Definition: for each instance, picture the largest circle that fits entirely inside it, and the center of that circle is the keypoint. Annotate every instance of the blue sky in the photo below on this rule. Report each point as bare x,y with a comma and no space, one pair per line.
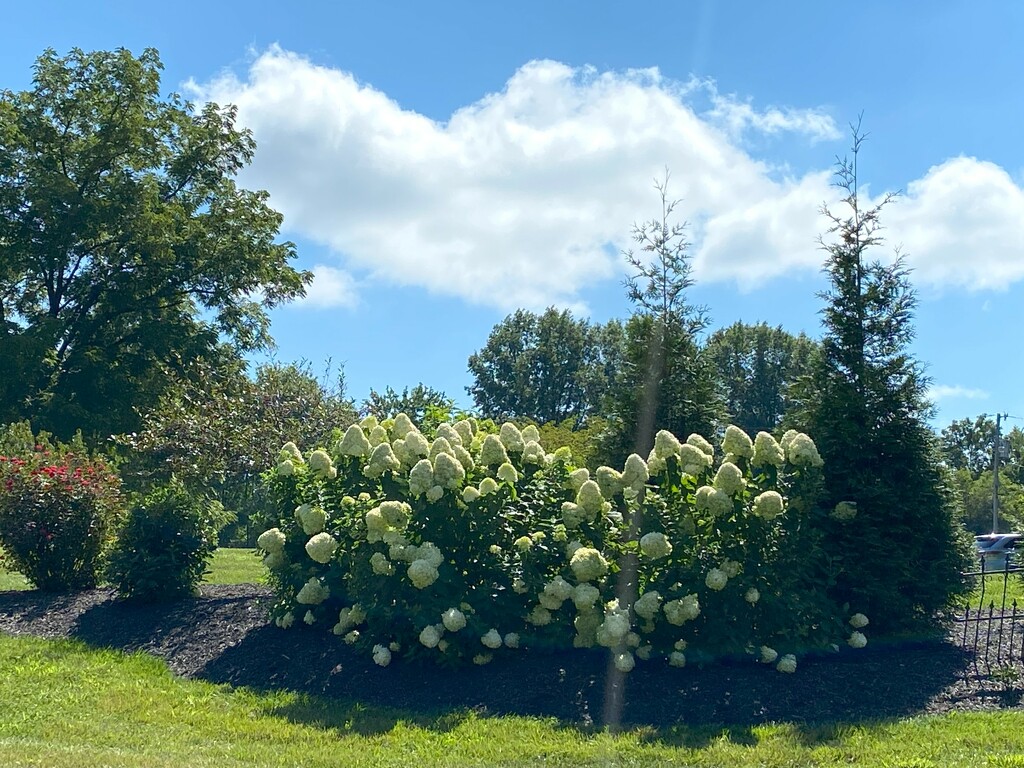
439,165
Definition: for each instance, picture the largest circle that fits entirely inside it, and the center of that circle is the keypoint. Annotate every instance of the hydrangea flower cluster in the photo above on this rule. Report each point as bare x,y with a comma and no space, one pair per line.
530,539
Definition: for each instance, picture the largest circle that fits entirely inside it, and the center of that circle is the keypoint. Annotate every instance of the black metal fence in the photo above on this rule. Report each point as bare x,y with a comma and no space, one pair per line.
991,627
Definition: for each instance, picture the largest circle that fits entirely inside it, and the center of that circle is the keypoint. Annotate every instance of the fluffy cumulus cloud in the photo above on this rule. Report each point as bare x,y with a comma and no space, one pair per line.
525,197
331,287
938,392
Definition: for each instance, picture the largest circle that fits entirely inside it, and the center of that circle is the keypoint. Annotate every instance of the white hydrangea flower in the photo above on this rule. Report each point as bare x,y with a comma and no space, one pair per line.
377,436
714,501
381,565
313,592
321,466
549,601
429,551
769,505
369,422
482,658
767,451
590,499
465,431
310,619
534,454
731,568
349,618
492,639
395,513
523,543
737,442
403,425
421,478
679,645
511,640
434,493
470,494
578,477
381,655
648,605
321,547
271,541
609,481
352,637
655,545
716,579
286,468
857,640
438,447
858,621
539,616
588,564
699,442
453,619
488,485
530,432
519,586
584,596
655,464
616,622
284,622
290,452
634,473
787,664
678,612
312,519
354,443
693,461
571,547
844,511
382,459
729,479
274,560
562,454
666,444
512,438
572,515
422,574
768,655
752,596
507,473
802,452
624,662
430,636
493,452
677,659
449,433
644,652
559,589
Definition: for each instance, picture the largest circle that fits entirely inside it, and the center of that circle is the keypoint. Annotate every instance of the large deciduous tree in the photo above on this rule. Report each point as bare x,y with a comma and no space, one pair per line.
128,248
756,367
899,560
546,368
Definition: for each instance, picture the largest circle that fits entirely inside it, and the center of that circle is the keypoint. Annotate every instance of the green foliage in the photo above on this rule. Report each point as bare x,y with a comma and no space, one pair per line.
59,509
582,441
545,368
164,547
426,405
217,431
756,367
902,555
129,250
663,380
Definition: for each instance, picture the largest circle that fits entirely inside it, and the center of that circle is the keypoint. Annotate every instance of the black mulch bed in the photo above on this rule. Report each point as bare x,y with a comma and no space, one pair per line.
224,637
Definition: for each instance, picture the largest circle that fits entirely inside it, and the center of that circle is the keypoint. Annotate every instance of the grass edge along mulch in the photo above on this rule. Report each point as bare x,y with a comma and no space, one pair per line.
64,703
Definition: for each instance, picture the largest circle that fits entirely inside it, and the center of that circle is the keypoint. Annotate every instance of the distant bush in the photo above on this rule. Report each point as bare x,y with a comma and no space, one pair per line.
163,549
59,509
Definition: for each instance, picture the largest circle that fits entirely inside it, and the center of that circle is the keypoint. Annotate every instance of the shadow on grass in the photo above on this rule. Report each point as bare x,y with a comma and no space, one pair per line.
224,638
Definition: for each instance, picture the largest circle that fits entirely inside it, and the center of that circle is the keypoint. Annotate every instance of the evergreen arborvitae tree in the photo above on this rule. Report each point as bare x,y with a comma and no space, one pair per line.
899,560
664,381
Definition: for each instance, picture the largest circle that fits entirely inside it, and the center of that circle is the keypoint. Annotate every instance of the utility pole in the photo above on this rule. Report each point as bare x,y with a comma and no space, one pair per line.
995,476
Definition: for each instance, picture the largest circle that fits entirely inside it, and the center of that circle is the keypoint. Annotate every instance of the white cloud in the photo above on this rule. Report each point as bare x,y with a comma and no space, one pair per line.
331,287
525,197
938,392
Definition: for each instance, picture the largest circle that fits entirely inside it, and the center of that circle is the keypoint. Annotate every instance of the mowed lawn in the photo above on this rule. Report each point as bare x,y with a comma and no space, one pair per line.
64,704
228,566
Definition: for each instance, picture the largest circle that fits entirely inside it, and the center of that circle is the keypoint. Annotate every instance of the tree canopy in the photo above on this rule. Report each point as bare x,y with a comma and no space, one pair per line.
128,248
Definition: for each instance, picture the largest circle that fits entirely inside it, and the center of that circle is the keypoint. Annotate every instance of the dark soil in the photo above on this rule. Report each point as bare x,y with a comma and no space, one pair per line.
224,637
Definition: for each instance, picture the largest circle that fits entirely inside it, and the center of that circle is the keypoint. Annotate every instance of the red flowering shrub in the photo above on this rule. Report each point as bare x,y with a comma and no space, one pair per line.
58,510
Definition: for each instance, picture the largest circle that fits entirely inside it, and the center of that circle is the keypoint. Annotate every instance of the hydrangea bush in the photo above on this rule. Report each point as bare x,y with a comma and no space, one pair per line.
474,542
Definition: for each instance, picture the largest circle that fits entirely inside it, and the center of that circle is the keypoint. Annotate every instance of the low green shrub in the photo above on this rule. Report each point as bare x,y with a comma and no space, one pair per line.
164,547
59,509
474,543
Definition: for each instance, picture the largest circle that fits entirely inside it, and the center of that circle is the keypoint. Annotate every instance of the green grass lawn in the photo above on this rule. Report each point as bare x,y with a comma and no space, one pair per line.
64,704
228,566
